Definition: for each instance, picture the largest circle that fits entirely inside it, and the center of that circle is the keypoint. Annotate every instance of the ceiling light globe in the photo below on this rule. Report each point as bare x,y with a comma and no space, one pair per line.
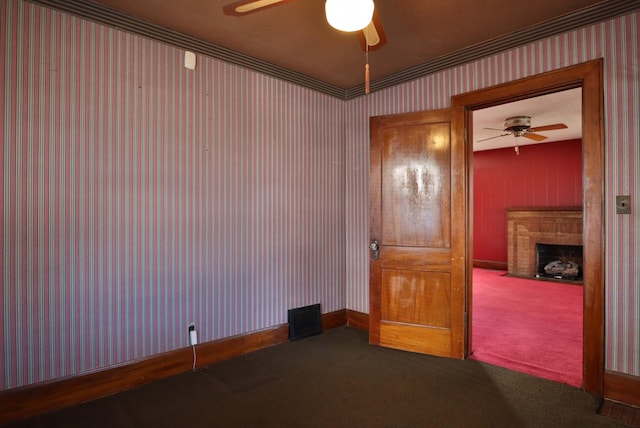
349,15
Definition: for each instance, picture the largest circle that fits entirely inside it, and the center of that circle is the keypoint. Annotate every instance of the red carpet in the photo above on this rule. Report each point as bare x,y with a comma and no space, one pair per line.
530,326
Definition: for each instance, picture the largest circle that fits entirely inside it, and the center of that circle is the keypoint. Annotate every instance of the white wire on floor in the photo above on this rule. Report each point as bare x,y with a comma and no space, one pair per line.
194,357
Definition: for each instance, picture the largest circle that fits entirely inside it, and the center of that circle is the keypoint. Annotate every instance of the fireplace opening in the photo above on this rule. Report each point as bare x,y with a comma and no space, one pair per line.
562,262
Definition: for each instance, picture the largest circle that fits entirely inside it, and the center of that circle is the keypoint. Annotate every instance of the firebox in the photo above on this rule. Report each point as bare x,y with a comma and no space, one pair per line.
559,261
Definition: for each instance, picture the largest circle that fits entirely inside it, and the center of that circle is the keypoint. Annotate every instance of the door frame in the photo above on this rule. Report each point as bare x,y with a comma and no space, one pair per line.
589,77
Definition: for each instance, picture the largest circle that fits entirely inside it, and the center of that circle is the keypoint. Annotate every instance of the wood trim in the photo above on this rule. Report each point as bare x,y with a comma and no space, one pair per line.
21,403
543,209
588,76
622,387
465,116
358,320
334,319
487,264
219,350
29,401
593,230
375,226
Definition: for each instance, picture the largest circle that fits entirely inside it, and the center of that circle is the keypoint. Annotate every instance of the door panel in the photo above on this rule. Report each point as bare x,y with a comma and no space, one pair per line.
417,216
415,297
417,193
415,339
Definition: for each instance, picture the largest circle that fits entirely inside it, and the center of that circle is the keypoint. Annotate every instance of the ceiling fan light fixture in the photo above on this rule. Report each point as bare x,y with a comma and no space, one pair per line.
349,15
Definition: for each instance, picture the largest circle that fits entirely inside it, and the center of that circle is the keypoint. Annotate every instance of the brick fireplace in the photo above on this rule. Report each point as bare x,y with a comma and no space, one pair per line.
552,228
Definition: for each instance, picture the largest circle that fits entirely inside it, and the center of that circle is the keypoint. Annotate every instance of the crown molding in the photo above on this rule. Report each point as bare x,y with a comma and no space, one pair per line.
116,19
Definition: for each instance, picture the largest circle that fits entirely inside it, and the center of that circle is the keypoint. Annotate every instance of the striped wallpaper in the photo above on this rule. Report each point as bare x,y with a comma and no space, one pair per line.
139,196
617,42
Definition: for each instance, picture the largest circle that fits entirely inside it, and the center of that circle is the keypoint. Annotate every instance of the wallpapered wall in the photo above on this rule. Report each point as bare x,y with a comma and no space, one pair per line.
542,175
138,196
617,42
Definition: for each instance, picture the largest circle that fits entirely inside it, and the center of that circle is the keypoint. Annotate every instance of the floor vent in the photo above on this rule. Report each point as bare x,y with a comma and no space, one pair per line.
304,322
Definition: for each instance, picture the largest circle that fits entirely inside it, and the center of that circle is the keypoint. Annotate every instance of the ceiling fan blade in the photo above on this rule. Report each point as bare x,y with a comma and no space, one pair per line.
536,137
491,138
373,34
495,129
549,127
245,7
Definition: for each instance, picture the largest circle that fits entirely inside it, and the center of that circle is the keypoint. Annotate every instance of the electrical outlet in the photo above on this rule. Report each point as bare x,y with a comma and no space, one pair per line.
193,335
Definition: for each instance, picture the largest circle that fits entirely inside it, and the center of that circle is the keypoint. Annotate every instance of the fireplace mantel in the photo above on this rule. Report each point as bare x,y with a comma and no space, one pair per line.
527,226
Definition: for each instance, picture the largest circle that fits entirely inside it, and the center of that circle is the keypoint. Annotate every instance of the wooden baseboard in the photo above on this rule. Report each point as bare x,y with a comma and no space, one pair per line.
40,398
32,400
21,403
622,388
334,319
486,264
358,320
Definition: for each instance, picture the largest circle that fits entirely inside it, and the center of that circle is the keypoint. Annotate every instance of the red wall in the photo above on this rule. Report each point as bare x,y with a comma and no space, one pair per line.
547,174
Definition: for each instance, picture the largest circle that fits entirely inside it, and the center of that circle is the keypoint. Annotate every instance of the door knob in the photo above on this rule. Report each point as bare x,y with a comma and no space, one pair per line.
375,249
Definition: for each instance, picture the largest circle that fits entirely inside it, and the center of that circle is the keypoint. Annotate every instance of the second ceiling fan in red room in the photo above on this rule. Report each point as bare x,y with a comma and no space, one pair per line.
520,126
370,32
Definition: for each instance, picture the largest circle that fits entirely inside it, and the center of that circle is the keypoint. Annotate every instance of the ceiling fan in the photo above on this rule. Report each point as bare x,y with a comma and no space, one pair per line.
520,126
372,37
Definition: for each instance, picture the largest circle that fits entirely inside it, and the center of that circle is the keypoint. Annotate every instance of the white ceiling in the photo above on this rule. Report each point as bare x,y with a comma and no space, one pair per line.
560,107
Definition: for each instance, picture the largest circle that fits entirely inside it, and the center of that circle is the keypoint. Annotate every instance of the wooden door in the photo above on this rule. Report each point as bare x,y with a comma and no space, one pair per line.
417,228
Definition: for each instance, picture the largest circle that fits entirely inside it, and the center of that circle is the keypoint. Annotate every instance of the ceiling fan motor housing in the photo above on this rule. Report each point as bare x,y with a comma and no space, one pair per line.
517,123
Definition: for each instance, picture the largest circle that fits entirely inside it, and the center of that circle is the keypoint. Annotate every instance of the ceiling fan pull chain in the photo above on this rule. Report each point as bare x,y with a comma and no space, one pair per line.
366,69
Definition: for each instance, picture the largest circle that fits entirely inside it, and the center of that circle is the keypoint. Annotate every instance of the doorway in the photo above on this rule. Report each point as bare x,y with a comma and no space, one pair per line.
523,181
587,76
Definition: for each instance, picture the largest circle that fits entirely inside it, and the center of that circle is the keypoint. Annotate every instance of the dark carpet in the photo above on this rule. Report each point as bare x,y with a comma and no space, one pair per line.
337,379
